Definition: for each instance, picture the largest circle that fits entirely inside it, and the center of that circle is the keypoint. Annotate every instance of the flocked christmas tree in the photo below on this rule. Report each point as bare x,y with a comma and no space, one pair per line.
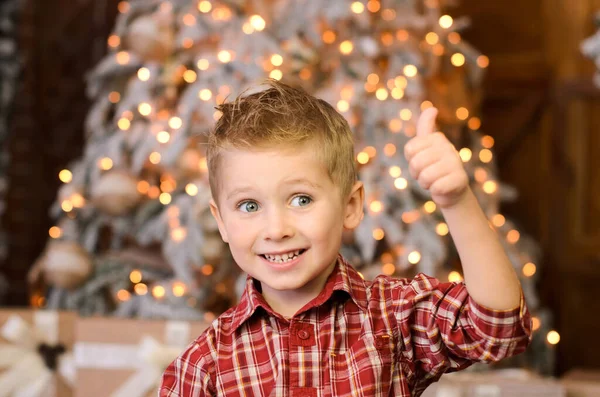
134,235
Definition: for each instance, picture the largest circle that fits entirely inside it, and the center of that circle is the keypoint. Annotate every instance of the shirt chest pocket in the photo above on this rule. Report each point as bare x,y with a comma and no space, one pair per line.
365,369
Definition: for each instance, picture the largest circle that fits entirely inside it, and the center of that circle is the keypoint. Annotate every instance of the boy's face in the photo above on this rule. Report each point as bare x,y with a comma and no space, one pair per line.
283,217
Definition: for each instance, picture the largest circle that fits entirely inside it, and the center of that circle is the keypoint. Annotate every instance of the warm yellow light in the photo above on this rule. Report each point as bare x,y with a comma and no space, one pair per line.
77,200
203,64
376,206
123,7
187,42
55,232
189,76
498,220
179,289
143,74
381,94
389,14
145,109
124,124
65,176
400,183
329,37
122,57
158,292
140,289
189,19
465,154
397,93
395,171
401,82
343,105
483,61
276,74
429,207
432,38
438,50
455,277
135,276
257,22
371,151
481,175
163,137
276,60
203,164
414,257
373,78
553,337
513,236
402,35
409,217
388,269
462,113
410,70
168,185
114,41
191,189
426,105
179,234
153,192
205,94
474,123
362,158
529,269
346,47
490,187
175,123
535,323
164,198
373,5
123,295
105,163
143,187
446,21
224,56
442,229
487,142
389,150
485,155
454,37
204,6
457,59
357,7
154,158
378,234
405,114
114,97
395,125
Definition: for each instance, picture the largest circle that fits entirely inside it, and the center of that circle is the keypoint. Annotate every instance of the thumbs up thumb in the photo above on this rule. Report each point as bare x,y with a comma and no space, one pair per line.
426,123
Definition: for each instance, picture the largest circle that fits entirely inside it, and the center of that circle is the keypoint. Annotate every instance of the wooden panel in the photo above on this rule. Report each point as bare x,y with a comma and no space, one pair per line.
60,40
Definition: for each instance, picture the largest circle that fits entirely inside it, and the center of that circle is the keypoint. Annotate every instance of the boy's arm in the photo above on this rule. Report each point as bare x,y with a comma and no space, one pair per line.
489,276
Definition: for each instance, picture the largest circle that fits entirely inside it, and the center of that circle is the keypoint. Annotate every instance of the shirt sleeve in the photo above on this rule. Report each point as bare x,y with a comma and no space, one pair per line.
443,329
190,374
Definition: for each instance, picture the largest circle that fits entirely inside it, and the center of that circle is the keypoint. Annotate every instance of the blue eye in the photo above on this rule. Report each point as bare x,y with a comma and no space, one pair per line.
248,206
301,201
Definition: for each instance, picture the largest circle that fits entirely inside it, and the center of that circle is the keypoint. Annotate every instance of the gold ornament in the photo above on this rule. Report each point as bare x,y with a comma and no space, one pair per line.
66,264
150,38
115,193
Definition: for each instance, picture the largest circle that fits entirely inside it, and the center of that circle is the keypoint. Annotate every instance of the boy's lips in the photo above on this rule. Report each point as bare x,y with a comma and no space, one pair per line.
283,257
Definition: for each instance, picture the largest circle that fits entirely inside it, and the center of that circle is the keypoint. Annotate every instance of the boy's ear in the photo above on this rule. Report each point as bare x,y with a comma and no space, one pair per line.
354,206
217,215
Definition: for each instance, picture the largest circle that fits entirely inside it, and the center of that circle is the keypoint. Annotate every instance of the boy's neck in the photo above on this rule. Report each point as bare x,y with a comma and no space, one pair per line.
288,302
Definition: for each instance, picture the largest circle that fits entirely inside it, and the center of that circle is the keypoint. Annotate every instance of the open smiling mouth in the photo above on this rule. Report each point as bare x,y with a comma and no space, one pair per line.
283,258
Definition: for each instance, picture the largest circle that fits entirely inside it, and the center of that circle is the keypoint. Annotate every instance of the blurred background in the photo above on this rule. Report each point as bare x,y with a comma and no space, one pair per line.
103,181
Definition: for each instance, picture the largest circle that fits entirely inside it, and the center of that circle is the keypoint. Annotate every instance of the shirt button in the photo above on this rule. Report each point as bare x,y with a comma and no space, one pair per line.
304,335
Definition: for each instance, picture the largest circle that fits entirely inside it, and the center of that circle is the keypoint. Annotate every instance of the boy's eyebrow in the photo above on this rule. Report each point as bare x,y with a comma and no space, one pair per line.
239,190
302,181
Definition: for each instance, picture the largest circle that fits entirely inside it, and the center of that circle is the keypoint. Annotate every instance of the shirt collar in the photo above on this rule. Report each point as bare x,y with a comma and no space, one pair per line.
343,278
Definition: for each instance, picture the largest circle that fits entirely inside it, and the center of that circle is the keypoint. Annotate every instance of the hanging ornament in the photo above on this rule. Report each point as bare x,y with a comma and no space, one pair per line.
65,264
115,193
150,38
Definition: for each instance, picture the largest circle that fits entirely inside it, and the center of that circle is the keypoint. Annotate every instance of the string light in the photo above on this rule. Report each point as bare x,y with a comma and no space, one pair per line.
143,187
179,289
474,123
446,21
400,183
405,114
454,38
203,64
346,47
114,41
465,154
388,269
164,198
123,7
487,142
204,6
114,97
485,155
432,38
179,234
381,94
376,206
143,74
145,109
189,19
409,217
429,207
498,220
329,37
276,74
357,7
191,189
455,277
163,137
553,337
65,176
389,150
123,295
105,163
203,164
257,22
154,158
141,289
122,57
135,276
395,125
224,56
189,76
362,158
342,105
462,113
513,236
529,269
207,270
395,171
441,229
158,292
373,5
414,257
535,323
55,232
402,35
388,14
378,234
410,70
483,61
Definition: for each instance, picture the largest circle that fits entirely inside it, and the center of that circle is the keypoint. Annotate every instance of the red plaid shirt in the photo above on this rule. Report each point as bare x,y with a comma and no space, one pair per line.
388,337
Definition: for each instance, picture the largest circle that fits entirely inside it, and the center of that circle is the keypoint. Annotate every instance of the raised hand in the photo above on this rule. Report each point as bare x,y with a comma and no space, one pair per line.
435,163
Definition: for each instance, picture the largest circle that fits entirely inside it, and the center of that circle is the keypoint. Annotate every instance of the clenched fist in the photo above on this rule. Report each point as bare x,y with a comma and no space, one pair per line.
435,163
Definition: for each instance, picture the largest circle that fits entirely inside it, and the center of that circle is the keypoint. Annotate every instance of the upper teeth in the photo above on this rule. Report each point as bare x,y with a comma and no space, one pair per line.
283,257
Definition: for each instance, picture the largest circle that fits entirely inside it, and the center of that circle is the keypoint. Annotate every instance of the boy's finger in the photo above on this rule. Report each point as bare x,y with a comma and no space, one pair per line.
426,123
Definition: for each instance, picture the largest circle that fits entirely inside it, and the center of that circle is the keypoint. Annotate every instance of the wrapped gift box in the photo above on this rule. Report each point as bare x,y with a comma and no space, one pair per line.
119,357
502,383
36,353
582,383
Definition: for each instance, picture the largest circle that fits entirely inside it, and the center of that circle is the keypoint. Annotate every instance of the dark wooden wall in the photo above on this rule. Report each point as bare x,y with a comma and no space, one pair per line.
59,41
544,114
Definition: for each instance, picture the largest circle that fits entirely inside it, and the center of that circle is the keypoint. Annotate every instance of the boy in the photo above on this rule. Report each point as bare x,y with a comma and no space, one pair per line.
283,180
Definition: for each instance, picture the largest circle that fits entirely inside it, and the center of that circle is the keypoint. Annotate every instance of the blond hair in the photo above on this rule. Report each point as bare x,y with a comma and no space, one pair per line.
287,117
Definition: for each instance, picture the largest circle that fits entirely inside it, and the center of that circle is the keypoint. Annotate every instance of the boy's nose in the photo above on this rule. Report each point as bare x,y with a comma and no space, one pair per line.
277,226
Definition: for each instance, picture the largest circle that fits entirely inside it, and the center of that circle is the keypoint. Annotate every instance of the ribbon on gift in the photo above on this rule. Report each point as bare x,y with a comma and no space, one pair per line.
149,358
33,357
